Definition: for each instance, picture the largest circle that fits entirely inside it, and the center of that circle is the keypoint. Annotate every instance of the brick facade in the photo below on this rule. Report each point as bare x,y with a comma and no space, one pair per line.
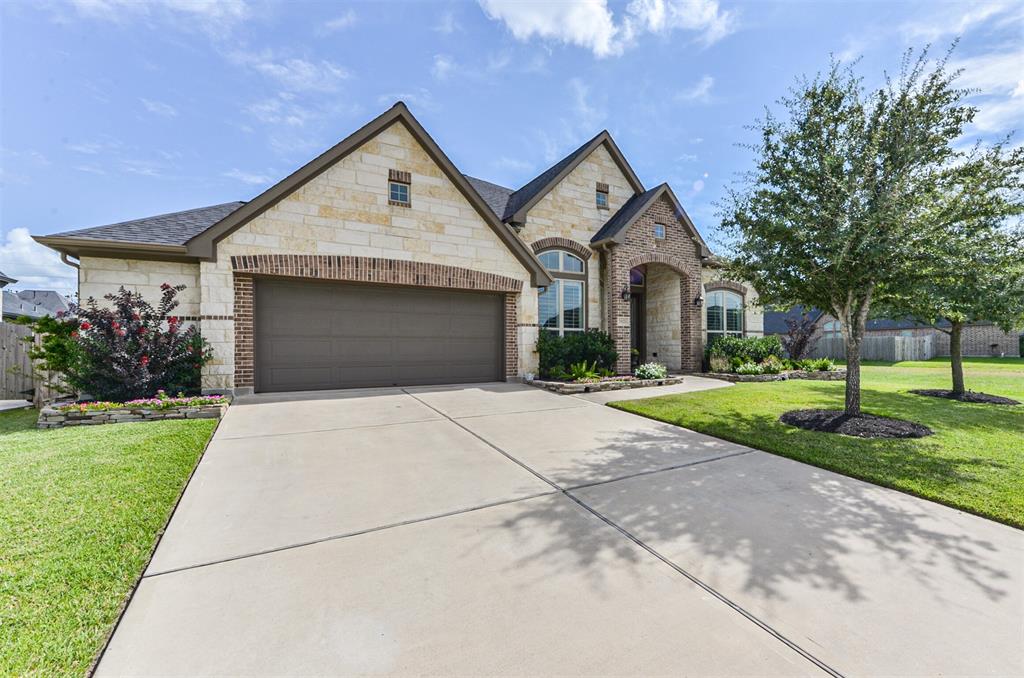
361,270
975,340
678,252
581,251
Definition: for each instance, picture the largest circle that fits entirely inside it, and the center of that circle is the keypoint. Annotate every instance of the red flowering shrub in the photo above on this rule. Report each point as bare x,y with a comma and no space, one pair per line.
124,351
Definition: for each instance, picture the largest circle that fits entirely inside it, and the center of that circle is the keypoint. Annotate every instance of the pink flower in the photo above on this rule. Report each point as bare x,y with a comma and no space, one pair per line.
74,335
142,330
85,325
135,316
173,320
165,286
144,360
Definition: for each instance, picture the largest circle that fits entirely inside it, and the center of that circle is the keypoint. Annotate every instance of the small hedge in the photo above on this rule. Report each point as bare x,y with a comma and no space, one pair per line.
557,353
750,349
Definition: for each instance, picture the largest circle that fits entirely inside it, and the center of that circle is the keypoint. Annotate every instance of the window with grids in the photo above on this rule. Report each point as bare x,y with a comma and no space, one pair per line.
601,196
724,314
398,193
561,304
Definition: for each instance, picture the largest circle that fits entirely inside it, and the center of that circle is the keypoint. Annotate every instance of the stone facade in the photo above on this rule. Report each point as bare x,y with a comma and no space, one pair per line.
98,276
345,212
50,417
662,318
753,312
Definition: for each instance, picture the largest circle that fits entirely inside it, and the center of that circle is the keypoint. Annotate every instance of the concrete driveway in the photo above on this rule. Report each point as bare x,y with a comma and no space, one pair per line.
500,529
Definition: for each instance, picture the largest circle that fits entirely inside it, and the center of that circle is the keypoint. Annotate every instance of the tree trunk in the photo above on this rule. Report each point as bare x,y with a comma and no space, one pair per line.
956,359
852,407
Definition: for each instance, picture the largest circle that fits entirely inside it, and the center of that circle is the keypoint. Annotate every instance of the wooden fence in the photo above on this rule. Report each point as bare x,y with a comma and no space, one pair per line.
16,380
889,348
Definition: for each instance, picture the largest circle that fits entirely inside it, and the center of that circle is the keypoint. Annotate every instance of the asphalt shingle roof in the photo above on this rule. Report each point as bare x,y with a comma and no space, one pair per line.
6,279
527,192
633,206
175,228
494,195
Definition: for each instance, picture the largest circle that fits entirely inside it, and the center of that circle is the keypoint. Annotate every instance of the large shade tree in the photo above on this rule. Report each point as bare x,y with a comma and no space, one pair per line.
842,201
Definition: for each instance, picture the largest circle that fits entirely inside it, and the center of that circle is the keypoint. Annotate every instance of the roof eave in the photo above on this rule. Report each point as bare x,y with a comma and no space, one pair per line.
79,247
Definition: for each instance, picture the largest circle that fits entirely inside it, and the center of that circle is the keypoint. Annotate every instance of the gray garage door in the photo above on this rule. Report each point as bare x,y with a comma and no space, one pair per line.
336,335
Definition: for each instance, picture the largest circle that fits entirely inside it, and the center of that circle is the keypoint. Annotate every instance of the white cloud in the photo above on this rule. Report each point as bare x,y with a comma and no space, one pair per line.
213,17
999,79
419,98
340,23
279,111
592,25
699,93
249,177
447,24
292,73
443,66
698,186
513,164
159,108
952,19
90,169
34,266
687,157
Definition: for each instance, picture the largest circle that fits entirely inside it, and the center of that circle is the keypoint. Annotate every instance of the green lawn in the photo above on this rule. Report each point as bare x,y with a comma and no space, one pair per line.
975,460
81,511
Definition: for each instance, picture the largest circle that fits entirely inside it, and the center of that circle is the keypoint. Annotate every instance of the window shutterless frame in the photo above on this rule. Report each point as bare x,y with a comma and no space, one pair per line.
724,314
562,305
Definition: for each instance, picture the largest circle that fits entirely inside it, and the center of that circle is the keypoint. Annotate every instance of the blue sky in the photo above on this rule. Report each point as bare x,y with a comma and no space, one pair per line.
117,109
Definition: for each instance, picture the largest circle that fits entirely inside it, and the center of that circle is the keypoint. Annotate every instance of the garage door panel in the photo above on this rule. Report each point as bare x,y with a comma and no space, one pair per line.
335,335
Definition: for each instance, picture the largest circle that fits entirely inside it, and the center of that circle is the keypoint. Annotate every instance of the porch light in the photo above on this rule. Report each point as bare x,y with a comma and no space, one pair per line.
625,293
698,301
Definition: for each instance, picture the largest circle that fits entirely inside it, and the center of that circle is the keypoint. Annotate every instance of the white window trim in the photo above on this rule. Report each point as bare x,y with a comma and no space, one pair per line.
562,276
725,331
664,231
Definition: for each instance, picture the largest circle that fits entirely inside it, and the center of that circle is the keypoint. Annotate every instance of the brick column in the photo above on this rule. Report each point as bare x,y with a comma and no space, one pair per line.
511,336
691,348
618,309
244,356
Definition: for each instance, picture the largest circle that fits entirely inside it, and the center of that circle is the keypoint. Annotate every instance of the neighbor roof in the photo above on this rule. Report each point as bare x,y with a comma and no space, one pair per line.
614,230
526,197
174,228
6,279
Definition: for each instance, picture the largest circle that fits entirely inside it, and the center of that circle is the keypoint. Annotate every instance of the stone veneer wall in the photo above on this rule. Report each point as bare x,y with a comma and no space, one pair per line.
678,252
345,212
753,312
663,327
570,211
98,276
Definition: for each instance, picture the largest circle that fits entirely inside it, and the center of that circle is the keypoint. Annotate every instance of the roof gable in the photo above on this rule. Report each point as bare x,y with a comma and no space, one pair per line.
521,201
203,245
614,230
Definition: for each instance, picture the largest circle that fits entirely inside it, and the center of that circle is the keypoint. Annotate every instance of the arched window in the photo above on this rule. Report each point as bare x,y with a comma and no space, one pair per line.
563,303
724,314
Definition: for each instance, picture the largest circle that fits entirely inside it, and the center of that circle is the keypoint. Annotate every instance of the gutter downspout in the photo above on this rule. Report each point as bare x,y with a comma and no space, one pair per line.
64,258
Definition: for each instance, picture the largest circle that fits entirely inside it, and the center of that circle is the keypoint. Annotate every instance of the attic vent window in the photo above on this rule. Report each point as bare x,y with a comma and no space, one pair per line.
601,196
659,231
398,188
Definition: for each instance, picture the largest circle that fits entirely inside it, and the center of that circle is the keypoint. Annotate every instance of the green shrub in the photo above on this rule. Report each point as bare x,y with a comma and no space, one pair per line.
557,353
823,365
581,371
651,371
717,363
736,361
808,364
752,349
749,368
772,365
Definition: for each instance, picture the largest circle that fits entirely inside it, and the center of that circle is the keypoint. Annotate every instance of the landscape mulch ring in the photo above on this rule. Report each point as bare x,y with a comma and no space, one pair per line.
968,397
862,426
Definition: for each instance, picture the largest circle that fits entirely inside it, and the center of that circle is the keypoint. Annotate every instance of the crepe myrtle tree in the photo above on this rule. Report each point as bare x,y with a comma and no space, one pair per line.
840,204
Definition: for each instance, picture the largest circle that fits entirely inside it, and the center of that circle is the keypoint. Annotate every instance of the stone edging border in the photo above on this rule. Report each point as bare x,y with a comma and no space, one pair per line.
833,375
569,388
50,417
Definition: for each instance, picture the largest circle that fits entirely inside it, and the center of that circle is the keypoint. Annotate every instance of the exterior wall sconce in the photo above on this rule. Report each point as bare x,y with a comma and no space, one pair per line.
625,293
698,301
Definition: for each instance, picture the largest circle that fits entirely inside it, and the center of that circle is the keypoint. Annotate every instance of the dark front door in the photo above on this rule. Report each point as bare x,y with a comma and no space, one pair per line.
637,328
311,335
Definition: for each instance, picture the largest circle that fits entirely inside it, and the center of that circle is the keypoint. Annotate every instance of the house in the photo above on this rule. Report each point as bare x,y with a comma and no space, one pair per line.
30,303
380,263
978,339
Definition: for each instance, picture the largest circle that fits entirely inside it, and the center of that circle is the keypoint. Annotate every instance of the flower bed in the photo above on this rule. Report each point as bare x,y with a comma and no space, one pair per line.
144,409
830,375
610,384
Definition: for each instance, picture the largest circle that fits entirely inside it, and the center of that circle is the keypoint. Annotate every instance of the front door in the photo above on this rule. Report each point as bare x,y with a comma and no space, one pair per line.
637,328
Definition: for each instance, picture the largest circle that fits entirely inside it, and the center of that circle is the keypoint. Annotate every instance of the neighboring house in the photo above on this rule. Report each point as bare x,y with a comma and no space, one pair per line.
31,303
977,339
379,263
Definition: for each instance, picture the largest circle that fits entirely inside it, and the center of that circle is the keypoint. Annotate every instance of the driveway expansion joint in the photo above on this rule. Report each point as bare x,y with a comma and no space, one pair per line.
655,471
636,540
327,430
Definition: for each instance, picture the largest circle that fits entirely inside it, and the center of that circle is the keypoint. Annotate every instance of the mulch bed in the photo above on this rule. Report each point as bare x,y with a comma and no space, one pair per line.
968,397
863,426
